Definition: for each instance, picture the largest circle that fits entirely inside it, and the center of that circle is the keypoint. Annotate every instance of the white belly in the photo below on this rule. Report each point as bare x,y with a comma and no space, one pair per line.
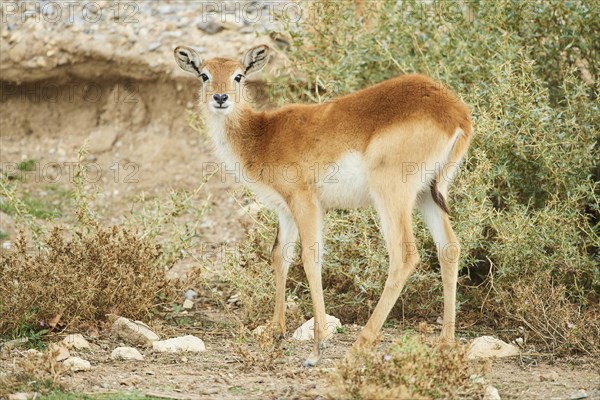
344,184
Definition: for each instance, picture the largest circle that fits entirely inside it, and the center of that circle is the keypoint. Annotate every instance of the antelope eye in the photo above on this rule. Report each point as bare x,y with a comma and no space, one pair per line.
238,77
204,77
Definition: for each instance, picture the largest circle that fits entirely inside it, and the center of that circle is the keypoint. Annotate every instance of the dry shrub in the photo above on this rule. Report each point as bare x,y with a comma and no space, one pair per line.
408,369
553,322
260,350
80,279
250,274
33,371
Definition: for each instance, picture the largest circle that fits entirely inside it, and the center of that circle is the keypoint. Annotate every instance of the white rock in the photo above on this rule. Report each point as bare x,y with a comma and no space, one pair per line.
21,396
580,394
102,139
76,342
33,353
135,333
62,353
126,353
291,306
489,346
77,364
188,304
491,393
183,343
259,330
11,344
306,331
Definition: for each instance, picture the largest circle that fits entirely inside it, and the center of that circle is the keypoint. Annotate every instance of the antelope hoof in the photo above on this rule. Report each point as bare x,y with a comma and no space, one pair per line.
311,361
278,334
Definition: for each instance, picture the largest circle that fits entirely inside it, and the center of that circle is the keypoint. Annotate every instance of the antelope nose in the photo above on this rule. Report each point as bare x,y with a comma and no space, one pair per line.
220,98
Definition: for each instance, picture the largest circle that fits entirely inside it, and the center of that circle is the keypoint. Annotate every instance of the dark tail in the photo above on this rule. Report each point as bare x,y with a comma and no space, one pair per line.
437,197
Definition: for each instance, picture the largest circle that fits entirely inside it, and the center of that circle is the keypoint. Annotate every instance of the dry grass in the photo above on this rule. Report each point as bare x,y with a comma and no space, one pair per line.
82,279
557,325
258,351
31,371
409,369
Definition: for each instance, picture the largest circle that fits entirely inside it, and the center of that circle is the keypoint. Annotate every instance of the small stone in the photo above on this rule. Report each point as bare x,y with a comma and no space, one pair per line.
551,376
135,333
165,9
20,396
259,330
580,394
62,352
23,396
154,46
188,304
77,364
489,346
33,352
19,52
291,306
491,393
126,353
183,343
76,341
102,139
11,344
210,27
306,331
190,294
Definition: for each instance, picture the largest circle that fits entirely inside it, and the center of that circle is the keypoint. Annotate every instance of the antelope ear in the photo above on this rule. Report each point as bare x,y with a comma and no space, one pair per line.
256,58
188,59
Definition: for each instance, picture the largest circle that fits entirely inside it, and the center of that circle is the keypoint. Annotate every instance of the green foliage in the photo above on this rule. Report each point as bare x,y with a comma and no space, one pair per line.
45,206
28,165
525,205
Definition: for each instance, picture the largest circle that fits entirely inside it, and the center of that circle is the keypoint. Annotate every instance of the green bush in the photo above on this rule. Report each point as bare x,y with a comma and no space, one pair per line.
525,205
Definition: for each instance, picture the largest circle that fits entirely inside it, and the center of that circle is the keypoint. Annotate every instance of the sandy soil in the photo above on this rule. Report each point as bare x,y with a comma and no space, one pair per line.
221,372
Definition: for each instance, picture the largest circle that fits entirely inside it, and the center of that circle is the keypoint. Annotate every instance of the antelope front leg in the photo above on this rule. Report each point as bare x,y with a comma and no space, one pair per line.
282,254
307,213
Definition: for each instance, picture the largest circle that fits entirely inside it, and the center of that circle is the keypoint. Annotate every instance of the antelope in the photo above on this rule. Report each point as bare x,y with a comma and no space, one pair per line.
395,145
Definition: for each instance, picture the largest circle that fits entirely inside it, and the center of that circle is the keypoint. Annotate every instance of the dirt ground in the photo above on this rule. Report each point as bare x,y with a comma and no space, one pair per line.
220,372
147,147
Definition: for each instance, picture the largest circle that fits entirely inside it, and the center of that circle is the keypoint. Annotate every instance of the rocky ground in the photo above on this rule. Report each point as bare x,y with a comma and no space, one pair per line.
113,365
105,74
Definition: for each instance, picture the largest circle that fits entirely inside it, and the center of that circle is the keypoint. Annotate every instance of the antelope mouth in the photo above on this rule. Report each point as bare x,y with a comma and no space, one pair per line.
219,107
